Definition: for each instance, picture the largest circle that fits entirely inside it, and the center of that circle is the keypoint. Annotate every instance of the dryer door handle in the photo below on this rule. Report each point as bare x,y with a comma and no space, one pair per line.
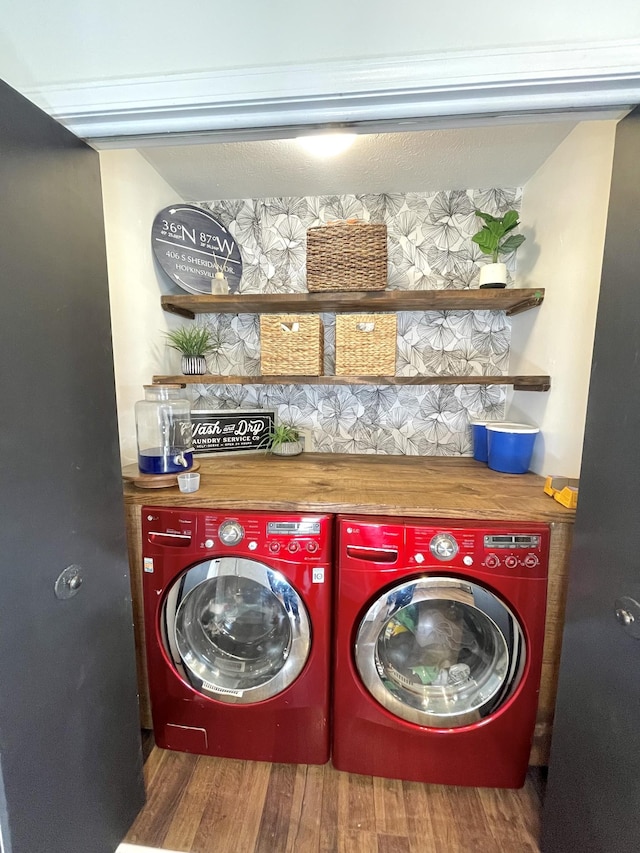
372,555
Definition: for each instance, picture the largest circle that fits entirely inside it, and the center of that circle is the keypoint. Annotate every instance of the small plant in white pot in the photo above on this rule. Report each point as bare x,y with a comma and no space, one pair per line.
285,441
193,342
495,239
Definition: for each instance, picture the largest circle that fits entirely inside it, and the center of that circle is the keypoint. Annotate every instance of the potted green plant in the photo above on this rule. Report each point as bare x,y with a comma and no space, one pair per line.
285,441
495,239
193,342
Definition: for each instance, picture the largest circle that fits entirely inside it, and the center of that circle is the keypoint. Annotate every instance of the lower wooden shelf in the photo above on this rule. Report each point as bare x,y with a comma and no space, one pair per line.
520,383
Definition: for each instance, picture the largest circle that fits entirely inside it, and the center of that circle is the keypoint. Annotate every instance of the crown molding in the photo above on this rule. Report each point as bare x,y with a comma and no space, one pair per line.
496,82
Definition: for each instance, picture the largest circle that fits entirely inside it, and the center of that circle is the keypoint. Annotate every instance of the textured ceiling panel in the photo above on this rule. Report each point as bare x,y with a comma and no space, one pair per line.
420,161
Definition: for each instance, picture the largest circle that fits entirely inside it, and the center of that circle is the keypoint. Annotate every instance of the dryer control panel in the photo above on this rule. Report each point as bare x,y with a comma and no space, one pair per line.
510,549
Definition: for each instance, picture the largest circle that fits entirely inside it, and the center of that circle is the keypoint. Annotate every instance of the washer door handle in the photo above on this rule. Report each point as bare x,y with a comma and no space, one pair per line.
169,540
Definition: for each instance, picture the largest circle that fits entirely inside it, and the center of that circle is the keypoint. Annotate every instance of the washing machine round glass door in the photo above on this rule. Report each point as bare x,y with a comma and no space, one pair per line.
236,630
440,652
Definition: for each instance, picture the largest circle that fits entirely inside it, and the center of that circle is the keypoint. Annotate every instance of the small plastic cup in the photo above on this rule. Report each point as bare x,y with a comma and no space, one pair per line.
189,481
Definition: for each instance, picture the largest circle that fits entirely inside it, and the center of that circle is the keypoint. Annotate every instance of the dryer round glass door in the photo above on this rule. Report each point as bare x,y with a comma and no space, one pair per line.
440,652
236,630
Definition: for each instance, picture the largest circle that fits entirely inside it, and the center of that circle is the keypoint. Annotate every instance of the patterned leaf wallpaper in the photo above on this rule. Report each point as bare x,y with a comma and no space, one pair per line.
429,244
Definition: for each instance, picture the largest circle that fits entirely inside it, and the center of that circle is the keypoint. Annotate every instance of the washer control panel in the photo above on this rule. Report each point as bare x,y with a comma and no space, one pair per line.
207,533
231,532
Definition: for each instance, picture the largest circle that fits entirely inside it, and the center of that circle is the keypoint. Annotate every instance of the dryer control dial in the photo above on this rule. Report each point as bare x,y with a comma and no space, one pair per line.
231,532
492,561
443,546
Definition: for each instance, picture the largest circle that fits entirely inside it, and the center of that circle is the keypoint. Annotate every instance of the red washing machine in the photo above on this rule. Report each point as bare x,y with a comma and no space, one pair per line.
237,612
440,628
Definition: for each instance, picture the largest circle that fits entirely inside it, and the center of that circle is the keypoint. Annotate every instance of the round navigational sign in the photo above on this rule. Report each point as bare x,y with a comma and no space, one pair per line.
191,246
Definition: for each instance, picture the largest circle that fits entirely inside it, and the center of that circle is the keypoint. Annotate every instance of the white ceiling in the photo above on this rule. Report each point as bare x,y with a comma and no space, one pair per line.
504,155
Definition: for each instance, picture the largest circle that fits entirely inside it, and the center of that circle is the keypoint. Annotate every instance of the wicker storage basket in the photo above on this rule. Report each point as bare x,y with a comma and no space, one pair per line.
349,255
365,344
291,344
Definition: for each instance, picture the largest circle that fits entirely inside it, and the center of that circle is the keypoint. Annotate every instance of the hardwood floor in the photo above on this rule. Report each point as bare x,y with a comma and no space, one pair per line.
199,804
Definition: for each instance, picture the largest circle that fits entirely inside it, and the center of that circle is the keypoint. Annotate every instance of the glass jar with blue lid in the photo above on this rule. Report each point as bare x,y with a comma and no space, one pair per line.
163,430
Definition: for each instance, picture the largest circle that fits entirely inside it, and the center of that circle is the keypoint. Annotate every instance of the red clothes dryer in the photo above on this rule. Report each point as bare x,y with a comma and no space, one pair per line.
440,628
237,625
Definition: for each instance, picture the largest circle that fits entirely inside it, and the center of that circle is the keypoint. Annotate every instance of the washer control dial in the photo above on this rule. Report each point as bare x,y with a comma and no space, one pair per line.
492,561
231,532
511,562
443,546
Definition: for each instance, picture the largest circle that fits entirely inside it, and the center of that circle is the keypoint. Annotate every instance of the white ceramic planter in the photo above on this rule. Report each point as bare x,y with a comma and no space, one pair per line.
194,365
493,275
287,448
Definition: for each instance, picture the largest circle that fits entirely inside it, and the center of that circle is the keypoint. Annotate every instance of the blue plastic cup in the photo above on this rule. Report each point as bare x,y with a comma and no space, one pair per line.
479,435
510,447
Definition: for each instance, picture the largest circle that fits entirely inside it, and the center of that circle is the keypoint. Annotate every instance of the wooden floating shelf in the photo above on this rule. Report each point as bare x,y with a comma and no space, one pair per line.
511,300
520,383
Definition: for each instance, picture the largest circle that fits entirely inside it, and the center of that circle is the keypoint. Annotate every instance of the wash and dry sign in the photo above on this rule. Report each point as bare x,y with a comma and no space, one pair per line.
231,431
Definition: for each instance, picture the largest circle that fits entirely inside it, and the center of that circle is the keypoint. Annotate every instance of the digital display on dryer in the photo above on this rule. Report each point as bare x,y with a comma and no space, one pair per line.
519,540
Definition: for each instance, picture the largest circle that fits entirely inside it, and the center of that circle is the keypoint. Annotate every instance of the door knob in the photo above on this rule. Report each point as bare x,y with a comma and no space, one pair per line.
68,582
627,611
624,617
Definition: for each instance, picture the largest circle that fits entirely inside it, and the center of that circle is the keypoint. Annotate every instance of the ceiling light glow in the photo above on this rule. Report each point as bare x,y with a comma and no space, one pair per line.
327,144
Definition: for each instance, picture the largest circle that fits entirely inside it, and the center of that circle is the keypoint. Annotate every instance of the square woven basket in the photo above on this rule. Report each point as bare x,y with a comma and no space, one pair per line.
291,344
366,344
344,256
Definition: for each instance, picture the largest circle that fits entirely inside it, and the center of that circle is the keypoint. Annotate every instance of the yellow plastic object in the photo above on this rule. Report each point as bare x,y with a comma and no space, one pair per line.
563,489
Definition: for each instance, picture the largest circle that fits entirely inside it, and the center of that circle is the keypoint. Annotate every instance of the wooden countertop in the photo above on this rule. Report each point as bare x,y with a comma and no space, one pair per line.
365,484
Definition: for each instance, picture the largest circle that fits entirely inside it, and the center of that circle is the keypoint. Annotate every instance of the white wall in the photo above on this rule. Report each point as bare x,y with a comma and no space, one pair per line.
564,212
133,194
105,41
